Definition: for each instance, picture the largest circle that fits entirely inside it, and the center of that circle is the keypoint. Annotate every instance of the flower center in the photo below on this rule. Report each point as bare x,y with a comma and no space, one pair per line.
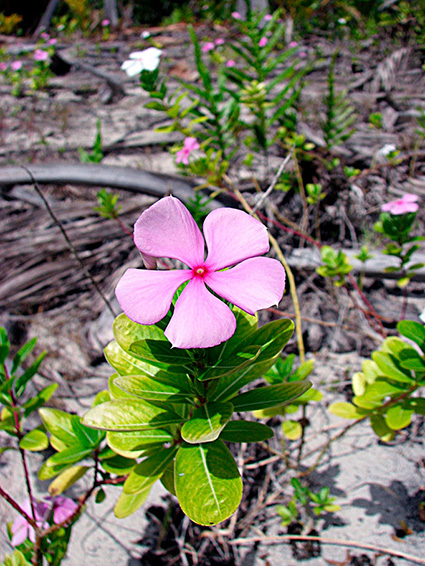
200,271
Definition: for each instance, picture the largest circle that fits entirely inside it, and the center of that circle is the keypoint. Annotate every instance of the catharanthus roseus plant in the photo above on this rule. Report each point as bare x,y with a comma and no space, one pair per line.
181,362
388,391
396,223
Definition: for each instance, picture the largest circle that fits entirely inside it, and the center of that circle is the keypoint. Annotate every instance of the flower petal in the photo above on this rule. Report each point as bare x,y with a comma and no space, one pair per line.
232,236
254,284
20,531
64,508
145,296
409,197
200,320
167,229
132,68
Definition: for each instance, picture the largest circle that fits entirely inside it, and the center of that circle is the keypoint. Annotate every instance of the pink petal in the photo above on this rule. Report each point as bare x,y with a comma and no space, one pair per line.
254,284
200,320
388,206
20,531
403,207
409,197
145,296
167,229
63,509
232,236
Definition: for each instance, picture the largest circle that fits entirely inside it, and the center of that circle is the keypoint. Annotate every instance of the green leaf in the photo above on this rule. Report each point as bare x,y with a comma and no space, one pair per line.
207,422
66,479
4,352
292,429
49,470
273,337
167,478
416,404
358,383
39,400
381,428
35,441
128,504
414,331
127,364
237,362
28,374
59,424
16,559
69,456
281,370
119,465
410,359
176,390
391,368
270,396
129,415
22,354
207,481
348,411
145,474
133,444
375,394
398,417
126,332
245,431
160,353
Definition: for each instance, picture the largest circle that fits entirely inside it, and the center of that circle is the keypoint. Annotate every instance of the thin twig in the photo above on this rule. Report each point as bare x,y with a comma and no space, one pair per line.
68,241
273,183
325,540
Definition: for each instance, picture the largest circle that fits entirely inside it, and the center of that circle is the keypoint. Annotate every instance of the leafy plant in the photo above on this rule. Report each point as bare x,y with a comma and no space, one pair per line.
108,207
386,390
173,407
96,155
397,228
340,115
336,265
304,502
282,372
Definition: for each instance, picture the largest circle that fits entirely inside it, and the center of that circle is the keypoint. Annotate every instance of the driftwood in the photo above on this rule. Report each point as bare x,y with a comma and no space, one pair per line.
92,175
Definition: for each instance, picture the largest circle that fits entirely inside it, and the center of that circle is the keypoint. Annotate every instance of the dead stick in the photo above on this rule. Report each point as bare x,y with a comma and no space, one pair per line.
325,540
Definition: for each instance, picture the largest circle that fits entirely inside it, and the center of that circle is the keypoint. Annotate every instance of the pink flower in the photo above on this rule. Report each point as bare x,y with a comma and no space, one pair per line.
200,319
105,23
189,145
402,205
219,41
63,509
236,16
268,17
21,529
230,63
207,47
293,44
40,55
262,42
52,41
16,65
3,66
302,54
44,36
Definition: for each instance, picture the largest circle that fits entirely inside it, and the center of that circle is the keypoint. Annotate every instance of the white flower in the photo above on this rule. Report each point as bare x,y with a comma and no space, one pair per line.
422,316
387,149
145,35
147,60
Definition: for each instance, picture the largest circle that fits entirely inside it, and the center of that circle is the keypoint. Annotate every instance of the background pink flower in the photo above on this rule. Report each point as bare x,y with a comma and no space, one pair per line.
230,63
3,66
293,44
236,16
21,529
200,319
63,509
105,23
189,145
219,41
268,17
40,55
262,42
207,47
407,203
16,65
